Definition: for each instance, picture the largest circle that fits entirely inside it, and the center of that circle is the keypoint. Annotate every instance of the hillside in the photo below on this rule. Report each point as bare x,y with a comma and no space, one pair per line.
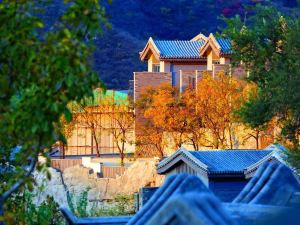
134,21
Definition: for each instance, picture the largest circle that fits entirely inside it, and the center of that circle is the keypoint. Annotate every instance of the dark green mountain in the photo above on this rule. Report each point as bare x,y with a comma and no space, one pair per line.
134,21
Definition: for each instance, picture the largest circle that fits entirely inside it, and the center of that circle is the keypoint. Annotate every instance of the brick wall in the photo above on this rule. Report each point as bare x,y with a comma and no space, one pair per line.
144,79
112,171
217,68
62,164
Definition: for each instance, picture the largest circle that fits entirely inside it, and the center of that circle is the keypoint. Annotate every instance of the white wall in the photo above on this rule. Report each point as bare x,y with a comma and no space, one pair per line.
165,66
184,168
88,163
209,60
224,60
150,64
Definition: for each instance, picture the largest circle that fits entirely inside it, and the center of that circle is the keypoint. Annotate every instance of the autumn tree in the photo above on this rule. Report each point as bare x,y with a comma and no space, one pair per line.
149,135
67,128
88,116
105,114
168,111
216,99
195,127
150,140
122,117
200,118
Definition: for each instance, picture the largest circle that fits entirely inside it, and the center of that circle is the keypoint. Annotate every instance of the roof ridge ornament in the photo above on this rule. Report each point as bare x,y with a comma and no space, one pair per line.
149,46
199,37
213,38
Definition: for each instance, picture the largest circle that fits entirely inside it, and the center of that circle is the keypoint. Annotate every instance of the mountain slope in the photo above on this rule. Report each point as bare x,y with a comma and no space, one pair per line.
134,21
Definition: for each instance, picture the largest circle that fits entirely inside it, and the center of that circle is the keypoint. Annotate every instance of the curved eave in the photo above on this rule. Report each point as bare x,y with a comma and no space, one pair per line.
199,37
249,170
232,174
150,46
225,54
187,59
181,155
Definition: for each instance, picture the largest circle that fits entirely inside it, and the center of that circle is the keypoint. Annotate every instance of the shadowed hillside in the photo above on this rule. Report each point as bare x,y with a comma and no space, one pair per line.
134,21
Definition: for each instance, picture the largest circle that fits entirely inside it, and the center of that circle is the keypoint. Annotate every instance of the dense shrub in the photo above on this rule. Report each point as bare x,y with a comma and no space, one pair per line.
21,209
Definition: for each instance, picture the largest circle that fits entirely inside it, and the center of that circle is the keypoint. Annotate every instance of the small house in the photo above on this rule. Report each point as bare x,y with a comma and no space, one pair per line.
225,172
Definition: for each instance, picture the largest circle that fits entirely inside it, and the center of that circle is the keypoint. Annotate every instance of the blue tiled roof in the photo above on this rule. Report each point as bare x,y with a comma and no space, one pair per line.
179,49
225,45
229,161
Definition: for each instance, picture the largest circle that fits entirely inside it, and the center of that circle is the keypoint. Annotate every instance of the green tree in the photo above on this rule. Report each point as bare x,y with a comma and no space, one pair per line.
40,72
268,45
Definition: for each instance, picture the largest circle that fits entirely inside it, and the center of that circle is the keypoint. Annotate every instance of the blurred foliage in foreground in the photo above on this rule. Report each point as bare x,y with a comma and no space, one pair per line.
22,210
40,72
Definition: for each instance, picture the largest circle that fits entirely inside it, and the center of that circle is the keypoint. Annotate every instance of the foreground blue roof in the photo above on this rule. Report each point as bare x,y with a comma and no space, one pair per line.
230,161
179,49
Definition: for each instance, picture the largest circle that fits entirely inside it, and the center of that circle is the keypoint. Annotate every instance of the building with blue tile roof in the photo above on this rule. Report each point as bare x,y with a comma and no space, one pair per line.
179,49
225,172
183,62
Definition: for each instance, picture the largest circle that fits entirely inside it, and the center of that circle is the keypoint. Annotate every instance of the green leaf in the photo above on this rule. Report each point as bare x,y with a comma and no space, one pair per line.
67,33
68,115
39,24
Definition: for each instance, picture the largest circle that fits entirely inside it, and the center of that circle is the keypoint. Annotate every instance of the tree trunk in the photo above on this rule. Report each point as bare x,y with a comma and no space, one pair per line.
92,145
195,142
96,142
122,153
97,146
195,145
257,139
230,139
161,153
63,151
122,158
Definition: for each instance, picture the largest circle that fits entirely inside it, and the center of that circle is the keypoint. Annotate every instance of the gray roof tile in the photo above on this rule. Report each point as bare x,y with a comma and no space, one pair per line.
229,161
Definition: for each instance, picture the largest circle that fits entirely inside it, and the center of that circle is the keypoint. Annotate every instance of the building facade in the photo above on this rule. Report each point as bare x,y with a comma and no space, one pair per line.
183,62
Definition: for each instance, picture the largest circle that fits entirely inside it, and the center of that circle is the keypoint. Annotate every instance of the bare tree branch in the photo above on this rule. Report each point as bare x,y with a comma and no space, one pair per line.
20,182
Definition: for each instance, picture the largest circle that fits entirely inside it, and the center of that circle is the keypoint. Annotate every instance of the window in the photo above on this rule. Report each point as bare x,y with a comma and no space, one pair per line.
156,68
216,61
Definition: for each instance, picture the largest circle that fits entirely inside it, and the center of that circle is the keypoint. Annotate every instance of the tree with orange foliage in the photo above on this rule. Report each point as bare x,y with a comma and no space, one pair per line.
67,129
195,128
150,140
89,116
202,118
149,134
216,100
168,111
123,123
